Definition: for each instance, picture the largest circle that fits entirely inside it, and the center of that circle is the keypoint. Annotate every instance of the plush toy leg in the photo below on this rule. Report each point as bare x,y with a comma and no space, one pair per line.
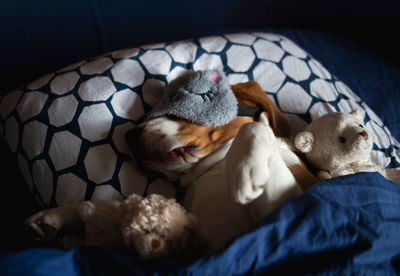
99,216
255,169
47,224
102,220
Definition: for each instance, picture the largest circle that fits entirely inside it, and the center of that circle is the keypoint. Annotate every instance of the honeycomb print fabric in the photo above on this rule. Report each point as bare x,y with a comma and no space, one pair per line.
67,128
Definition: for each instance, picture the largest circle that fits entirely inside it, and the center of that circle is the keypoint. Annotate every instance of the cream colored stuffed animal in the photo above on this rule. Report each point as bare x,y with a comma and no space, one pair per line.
152,227
338,144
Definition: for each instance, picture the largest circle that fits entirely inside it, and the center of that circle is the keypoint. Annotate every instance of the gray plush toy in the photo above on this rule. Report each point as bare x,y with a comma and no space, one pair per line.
201,97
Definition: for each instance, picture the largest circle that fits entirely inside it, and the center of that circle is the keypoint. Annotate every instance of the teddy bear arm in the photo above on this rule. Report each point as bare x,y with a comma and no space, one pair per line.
101,219
47,224
99,213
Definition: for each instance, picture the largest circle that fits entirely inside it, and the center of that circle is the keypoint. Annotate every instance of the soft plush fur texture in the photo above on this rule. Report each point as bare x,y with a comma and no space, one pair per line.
201,97
338,144
152,227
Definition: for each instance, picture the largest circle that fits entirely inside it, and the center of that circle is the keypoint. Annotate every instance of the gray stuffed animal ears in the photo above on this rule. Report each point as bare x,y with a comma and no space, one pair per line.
200,97
304,141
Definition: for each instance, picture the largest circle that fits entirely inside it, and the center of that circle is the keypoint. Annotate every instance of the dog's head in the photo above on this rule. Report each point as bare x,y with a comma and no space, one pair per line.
173,146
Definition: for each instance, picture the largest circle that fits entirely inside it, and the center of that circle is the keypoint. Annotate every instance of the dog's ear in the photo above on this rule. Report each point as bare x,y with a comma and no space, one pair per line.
251,93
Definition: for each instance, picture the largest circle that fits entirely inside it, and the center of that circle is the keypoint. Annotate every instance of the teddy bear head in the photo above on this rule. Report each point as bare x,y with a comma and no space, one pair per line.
335,139
156,227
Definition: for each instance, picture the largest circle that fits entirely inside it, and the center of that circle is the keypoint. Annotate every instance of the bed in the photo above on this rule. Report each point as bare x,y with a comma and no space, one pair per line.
346,225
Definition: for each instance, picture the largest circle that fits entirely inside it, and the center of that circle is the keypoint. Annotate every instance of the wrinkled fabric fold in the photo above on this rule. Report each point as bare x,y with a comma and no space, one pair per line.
348,225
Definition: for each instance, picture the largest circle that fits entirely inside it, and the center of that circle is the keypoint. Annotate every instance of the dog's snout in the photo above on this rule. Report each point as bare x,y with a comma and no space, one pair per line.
136,142
132,137
133,132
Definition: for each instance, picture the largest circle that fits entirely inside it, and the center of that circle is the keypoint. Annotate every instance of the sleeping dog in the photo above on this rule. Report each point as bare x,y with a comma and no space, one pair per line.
235,173
236,168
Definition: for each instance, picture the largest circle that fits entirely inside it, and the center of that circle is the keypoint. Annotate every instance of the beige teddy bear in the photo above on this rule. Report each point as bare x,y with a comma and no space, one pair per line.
338,144
152,227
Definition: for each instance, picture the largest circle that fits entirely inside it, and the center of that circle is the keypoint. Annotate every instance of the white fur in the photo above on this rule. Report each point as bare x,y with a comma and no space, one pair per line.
205,164
253,172
257,169
339,144
163,125
336,142
220,217
154,130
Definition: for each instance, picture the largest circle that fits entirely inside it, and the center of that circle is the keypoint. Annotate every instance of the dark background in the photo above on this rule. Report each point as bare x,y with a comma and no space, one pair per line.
37,37
40,36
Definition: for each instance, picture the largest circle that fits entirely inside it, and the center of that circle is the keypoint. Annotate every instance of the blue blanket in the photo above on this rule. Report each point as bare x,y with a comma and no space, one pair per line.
348,225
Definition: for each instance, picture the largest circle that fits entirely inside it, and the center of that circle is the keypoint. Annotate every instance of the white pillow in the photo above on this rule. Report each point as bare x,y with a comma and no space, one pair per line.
67,128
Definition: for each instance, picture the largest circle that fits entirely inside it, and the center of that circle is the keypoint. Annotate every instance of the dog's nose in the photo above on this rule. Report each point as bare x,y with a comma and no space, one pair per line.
132,137
135,139
364,135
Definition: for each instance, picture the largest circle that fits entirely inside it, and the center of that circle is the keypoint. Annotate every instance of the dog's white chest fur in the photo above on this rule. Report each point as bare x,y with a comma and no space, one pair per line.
243,186
209,199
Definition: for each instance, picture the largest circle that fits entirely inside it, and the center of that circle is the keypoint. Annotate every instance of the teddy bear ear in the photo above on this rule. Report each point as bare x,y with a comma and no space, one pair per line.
304,141
357,113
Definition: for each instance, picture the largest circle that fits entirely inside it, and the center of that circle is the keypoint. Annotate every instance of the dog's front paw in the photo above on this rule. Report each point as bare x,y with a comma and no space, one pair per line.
44,225
246,183
247,169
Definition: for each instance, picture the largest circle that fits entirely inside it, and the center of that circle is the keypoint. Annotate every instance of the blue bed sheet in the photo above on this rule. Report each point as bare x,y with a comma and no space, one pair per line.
344,226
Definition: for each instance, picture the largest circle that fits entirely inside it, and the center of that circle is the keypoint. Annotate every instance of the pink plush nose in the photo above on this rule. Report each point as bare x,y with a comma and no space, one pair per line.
364,135
155,243
214,77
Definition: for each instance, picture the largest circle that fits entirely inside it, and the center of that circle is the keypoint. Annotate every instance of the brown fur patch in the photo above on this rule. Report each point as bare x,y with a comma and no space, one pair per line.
207,138
251,93
303,176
